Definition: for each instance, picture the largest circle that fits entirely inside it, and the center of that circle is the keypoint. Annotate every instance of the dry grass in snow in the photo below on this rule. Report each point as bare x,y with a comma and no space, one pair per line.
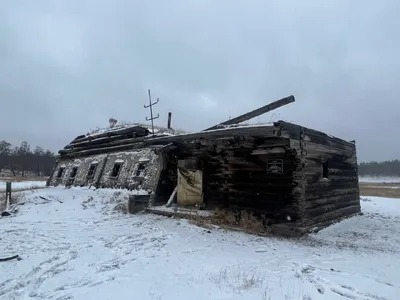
239,279
388,190
243,220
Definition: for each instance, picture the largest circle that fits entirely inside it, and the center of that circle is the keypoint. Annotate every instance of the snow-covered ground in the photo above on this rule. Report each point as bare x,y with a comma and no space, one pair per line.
75,245
378,179
26,185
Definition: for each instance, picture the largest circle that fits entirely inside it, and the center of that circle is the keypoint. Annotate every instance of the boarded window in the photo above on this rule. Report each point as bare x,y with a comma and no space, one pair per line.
116,170
189,164
60,172
325,170
73,172
92,170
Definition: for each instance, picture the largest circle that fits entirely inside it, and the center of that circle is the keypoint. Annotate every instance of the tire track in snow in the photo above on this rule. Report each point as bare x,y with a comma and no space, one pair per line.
123,249
30,283
323,285
83,233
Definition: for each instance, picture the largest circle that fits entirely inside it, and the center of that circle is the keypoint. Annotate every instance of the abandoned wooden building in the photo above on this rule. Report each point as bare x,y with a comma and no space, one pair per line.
290,175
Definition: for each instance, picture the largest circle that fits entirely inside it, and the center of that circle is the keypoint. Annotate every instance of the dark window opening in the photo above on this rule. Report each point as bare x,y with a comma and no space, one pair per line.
92,170
73,172
116,169
325,170
140,169
60,172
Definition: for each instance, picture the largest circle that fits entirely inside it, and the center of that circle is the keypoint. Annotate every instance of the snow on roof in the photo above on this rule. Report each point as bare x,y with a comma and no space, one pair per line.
158,130
244,125
99,130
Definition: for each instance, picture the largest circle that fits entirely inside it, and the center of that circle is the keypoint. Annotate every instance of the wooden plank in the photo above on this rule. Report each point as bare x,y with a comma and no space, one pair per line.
255,113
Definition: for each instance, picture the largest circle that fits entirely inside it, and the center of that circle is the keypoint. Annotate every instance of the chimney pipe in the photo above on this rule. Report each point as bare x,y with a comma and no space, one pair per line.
169,120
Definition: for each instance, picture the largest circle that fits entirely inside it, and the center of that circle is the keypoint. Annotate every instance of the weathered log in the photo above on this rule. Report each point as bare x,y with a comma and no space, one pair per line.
108,144
292,131
334,200
323,187
262,131
104,150
137,129
103,140
111,137
332,215
255,113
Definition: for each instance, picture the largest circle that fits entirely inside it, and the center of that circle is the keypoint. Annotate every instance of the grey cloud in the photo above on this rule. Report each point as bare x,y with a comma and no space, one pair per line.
67,66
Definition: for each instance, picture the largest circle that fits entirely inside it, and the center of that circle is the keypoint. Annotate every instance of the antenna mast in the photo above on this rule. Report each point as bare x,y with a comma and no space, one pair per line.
151,112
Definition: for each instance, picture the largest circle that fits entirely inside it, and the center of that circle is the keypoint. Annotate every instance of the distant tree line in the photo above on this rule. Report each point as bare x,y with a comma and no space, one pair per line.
385,168
21,160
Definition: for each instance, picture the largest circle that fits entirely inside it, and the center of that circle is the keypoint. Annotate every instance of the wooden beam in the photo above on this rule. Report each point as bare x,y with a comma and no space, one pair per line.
172,198
256,130
112,132
255,113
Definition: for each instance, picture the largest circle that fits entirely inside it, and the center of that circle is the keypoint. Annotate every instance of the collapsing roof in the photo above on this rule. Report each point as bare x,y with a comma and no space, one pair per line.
133,136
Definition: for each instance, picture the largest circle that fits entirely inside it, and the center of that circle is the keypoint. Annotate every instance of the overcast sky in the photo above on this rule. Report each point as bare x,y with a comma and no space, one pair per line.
67,66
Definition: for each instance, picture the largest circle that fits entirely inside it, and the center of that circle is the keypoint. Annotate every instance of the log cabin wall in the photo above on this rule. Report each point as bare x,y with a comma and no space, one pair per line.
250,173
331,190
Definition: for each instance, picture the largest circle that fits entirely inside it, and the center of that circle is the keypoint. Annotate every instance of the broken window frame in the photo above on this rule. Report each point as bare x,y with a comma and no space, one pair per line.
119,165
92,170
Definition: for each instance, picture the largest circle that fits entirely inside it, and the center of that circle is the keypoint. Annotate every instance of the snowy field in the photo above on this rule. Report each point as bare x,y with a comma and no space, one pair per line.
23,185
74,245
378,179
